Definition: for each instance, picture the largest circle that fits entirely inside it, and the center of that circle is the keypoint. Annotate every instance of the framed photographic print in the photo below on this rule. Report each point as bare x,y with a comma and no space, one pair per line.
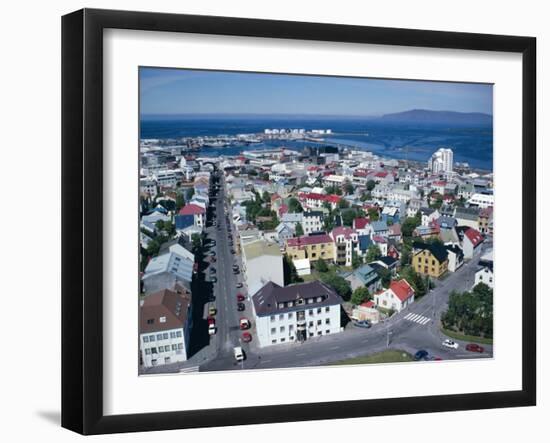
273,221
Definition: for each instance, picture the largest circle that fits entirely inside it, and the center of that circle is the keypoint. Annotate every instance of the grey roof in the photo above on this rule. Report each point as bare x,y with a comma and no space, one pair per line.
379,226
294,297
467,213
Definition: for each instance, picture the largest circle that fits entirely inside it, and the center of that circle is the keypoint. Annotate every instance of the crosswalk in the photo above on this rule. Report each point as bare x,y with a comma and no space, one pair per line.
417,318
189,369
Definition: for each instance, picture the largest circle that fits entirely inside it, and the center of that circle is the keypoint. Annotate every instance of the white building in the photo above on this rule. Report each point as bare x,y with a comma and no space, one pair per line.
295,313
165,323
180,267
482,200
312,221
441,161
303,266
262,263
397,297
471,243
148,186
166,178
485,275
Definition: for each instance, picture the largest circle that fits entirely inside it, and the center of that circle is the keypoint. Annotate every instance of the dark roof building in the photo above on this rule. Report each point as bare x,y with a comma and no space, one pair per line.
436,249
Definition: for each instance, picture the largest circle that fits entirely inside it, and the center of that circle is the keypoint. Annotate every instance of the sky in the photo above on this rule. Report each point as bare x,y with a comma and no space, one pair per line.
180,91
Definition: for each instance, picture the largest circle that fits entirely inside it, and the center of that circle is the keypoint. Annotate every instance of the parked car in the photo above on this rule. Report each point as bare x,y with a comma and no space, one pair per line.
239,285
232,251
474,347
214,280
362,324
240,307
212,270
238,353
247,337
421,354
450,344
212,310
244,323
211,320
240,297
211,329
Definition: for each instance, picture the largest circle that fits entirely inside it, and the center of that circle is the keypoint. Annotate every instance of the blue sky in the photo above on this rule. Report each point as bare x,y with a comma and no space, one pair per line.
179,91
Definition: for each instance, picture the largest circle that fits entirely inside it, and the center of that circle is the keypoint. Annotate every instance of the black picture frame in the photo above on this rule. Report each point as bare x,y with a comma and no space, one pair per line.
82,187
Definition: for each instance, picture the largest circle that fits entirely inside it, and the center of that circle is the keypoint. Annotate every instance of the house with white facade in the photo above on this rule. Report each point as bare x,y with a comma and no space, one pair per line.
312,221
455,257
165,323
482,200
167,269
295,312
471,243
398,296
345,241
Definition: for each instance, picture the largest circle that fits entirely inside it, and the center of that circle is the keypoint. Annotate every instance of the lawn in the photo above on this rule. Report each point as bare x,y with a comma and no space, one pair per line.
472,338
390,356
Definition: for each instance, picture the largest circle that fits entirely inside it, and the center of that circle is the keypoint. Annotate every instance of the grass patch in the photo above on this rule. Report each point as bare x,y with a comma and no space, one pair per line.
389,356
463,337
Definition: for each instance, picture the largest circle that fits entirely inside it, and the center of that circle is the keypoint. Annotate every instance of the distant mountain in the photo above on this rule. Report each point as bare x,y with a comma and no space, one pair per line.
423,116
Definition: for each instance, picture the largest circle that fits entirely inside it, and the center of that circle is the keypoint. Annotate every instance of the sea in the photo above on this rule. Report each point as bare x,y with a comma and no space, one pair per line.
410,141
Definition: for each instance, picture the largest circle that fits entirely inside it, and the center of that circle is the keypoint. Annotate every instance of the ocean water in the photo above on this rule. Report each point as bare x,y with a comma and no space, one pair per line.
402,141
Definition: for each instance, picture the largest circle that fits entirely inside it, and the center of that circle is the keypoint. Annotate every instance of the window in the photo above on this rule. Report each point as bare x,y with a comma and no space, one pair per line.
273,341
281,316
290,328
172,335
327,321
290,315
145,339
272,318
281,305
310,312
174,347
154,362
153,350
319,332
290,304
159,336
178,333
327,309
162,319
150,321
166,360
165,336
319,310
318,322
309,300
310,323
283,340
273,330
151,338
327,331
180,345
147,352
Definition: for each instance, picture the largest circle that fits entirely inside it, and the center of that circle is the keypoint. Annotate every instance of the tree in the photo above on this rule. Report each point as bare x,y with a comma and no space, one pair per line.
406,254
373,214
360,295
294,205
266,197
189,194
264,176
356,260
366,196
339,284
385,276
409,225
348,216
321,266
180,201
370,185
415,280
342,204
196,242
348,187
373,253
299,229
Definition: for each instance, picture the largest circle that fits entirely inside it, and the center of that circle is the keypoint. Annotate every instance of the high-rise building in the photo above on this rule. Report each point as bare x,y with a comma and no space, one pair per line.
441,161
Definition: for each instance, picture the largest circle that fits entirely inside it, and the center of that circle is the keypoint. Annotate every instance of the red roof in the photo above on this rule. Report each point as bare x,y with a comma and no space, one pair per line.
309,240
343,230
474,236
381,174
283,209
361,222
191,209
368,304
402,289
332,198
439,183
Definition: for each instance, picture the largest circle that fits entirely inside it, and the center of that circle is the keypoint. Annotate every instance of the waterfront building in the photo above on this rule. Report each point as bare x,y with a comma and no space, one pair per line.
441,161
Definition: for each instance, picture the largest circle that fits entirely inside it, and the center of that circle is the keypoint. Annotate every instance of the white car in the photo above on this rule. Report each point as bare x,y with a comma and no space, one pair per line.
450,344
238,353
211,329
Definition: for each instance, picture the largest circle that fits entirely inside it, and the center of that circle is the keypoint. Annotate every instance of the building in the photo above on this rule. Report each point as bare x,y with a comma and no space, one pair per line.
366,311
397,297
471,243
148,187
165,323
312,221
190,213
166,270
430,259
345,241
364,277
441,161
262,263
484,273
482,200
303,266
312,247
467,217
455,256
295,313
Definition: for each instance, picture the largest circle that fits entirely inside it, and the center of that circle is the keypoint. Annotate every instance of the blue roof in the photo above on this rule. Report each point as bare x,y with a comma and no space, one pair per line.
364,242
366,274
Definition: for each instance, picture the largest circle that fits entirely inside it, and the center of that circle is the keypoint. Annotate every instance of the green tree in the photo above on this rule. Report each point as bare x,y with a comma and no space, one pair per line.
348,216
196,242
321,266
373,214
415,280
348,187
180,201
385,276
360,295
294,205
189,194
370,185
338,283
373,253
299,229
342,204
356,260
409,225
266,197
290,272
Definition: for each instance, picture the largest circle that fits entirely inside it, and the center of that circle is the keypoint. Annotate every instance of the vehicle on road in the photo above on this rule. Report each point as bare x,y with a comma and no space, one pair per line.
450,344
247,337
238,353
212,310
212,270
232,251
211,320
244,323
474,347
214,280
239,285
362,324
240,307
240,297
211,329
421,354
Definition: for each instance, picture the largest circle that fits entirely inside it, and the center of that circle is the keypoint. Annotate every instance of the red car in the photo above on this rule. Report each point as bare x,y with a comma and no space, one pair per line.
247,337
211,320
244,323
473,347
240,297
